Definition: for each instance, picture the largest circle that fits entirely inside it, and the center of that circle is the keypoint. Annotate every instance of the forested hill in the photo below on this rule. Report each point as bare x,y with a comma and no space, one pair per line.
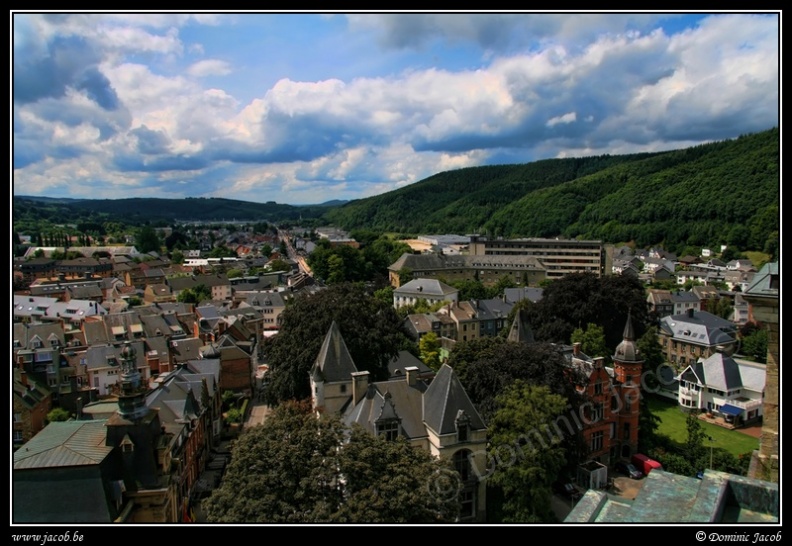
27,210
724,192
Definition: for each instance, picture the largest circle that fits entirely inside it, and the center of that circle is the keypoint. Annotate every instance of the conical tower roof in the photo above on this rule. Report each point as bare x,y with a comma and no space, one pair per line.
627,350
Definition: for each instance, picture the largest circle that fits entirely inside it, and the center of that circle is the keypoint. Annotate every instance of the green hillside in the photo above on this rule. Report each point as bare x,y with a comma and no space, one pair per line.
724,192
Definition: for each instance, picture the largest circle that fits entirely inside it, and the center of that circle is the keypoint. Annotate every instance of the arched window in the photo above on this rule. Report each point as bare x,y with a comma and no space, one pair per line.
462,464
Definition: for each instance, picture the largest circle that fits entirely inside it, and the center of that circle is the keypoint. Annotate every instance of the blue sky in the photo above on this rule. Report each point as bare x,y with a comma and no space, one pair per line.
305,108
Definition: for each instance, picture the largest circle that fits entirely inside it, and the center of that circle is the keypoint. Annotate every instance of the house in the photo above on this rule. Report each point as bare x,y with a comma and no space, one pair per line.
708,297
430,290
724,386
31,403
103,471
686,337
465,316
437,417
737,265
610,423
440,324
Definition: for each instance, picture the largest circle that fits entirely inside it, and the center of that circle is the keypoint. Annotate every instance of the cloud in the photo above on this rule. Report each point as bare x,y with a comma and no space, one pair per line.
209,67
121,99
566,118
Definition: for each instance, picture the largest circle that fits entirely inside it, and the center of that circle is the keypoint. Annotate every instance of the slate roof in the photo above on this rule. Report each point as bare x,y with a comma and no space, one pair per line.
443,400
767,282
699,327
406,401
726,374
426,287
63,444
520,331
405,359
186,349
334,363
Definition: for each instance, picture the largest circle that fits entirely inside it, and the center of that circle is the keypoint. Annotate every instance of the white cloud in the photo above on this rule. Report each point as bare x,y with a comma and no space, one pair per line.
566,118
209,67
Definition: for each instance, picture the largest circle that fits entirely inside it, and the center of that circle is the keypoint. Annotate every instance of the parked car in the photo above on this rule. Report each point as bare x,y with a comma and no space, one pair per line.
629,469
567,490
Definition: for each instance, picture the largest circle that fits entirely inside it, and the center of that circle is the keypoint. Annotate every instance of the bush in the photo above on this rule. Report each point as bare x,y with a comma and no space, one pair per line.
233,415
58,414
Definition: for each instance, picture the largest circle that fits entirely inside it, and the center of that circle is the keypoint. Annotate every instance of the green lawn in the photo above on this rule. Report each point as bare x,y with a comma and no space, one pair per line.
673,425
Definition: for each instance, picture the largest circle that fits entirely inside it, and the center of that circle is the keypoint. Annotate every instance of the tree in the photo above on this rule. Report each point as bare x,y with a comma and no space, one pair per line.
754,345
693,449
652,354
429,346
147,240
195,295
592,340
582,298
371,330
58,414
279,265
234,272
405,275
724,308
222,251
487,366
527,451
297,468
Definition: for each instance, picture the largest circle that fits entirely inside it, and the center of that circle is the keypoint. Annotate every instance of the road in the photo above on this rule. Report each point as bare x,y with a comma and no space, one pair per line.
284,236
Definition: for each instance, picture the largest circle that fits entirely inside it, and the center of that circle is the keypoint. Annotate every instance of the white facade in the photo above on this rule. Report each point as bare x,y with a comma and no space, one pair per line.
725,386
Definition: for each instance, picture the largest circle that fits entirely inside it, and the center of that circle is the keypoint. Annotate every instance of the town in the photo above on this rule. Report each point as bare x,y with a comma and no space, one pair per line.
141,373
396,269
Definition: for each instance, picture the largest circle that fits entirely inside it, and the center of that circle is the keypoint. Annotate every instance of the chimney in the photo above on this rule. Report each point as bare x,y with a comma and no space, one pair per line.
23,379
411,374
576,348
599,362
360,383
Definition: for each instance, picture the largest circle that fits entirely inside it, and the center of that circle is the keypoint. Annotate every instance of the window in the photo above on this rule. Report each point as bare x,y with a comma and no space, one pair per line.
388,429
343,388
17,417
598,388
613,430
462,464
18,436
626,431
596,441
467,500
597,412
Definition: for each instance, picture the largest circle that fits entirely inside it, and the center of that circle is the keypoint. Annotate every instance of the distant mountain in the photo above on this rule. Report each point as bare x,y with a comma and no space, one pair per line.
723,192
43,199
140,210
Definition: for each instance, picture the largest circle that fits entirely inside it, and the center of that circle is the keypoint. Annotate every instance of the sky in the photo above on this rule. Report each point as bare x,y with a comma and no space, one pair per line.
303,108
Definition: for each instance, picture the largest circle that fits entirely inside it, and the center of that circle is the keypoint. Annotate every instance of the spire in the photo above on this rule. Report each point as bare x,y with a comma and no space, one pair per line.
627,350
520,332
334,361
629,335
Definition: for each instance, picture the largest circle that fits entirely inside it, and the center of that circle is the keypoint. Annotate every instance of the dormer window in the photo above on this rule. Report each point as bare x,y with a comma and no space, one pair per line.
389,429
462,424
